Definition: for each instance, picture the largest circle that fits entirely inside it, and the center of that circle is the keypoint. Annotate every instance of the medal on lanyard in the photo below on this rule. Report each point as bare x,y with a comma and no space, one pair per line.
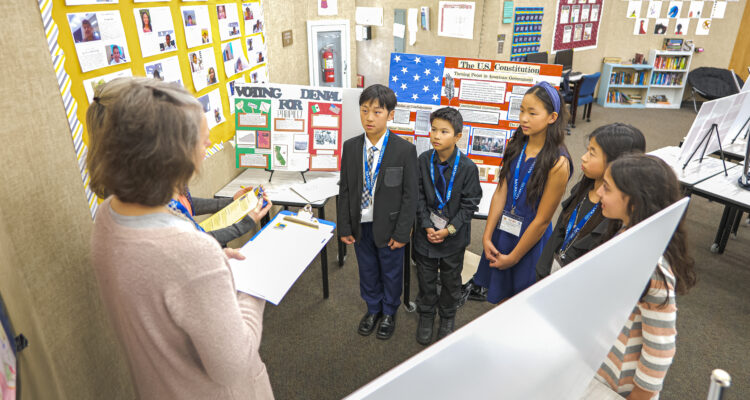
370,180
571,231
437,218
178,207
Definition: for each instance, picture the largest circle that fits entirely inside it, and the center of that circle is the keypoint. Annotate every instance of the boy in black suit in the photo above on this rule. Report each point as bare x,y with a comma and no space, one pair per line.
449,194
377,207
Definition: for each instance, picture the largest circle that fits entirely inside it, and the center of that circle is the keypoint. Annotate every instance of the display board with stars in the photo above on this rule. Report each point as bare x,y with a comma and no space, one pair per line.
487,93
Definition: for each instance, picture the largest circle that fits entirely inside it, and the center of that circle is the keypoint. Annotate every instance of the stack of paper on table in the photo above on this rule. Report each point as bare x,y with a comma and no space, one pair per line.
232,213
277,256
317,189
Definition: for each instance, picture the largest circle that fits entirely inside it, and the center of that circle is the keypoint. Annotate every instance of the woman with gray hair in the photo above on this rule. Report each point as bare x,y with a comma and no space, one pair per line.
165,284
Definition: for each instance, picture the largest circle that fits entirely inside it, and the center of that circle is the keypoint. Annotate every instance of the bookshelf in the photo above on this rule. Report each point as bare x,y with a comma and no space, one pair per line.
624,85
668,78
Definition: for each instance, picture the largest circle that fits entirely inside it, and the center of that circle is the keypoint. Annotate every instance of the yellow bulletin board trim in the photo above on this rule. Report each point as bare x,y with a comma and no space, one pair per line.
70,76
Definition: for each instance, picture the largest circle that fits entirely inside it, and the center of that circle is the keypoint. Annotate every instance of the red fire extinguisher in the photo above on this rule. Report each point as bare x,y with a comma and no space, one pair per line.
326,56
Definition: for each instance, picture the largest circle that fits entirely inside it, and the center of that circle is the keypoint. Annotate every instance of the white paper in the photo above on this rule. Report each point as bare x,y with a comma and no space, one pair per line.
674,9
233,57
203,68
654,9
641,26
456,19
89,85
269,270
482,91
718,9
197,25
411,19
229,21
681,26
232,94
99,39
212,108
252,14
634,9
323,162
695,10
422,143
369,16
155,30
256,51
399,30
703,27
166,69
317,189
327,7
325,121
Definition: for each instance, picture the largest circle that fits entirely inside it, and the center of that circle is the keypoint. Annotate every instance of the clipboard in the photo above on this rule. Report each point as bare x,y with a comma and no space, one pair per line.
269,269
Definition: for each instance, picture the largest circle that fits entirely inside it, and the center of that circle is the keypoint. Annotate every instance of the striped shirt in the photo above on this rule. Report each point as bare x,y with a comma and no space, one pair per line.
645,347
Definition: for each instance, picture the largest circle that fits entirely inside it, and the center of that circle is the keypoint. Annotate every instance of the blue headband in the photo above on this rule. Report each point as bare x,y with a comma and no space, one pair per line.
552,93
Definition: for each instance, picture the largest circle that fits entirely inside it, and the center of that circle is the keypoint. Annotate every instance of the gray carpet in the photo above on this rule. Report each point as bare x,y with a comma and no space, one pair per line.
312,350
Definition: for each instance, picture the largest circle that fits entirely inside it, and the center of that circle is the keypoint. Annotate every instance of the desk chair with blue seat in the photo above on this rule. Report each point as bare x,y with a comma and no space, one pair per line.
582,95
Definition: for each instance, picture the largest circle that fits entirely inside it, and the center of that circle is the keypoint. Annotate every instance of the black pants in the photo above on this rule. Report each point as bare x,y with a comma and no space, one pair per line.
450,276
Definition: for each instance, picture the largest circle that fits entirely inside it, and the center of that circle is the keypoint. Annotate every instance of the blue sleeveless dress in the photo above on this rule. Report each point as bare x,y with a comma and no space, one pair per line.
506,283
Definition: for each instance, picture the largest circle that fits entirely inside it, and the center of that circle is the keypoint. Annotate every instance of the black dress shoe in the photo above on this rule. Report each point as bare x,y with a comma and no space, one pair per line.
473,292
424,329
446,327
386,327
367,324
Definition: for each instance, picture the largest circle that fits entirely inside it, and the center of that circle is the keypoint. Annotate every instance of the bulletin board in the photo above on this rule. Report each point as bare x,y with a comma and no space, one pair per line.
527,32
94,41
288,127
577,24
487,93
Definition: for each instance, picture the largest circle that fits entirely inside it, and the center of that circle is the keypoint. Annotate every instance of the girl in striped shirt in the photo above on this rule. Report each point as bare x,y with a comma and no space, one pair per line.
636,187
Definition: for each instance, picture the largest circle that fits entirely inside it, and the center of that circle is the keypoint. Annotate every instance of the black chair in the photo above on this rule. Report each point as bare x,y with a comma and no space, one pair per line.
713,83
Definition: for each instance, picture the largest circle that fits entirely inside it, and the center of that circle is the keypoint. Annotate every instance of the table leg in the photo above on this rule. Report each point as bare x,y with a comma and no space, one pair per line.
722,224
737,223
574,105
324,256
727,229
408,304
341,245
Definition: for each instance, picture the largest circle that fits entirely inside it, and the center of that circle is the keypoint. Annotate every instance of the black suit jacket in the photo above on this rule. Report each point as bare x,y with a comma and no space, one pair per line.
396,191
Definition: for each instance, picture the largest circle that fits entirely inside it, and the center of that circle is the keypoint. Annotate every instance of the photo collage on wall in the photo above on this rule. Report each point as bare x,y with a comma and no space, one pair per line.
661,14
487,93
577,24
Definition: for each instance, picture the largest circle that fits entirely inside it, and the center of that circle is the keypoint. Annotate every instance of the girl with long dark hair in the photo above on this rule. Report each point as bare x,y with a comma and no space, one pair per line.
581,225
535,171
636,187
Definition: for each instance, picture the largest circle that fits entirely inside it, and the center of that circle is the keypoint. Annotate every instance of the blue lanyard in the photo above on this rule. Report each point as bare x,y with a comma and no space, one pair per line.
516,191
370,180
176,205
570,231
442,203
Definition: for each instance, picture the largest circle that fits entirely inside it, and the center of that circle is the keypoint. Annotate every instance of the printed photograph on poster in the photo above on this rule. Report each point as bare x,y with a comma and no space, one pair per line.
90,85
585,13
301,143
259,75
408,138
99,39
654,9
594,13
254,160
256,50
229,21
577,32
463,141
564,14
660,26
252,14
587,31
155,30
325,139
234,58
673,11
166,69
327,7
719,9
483,172
514,108
212,108
641,26
246,139
634,9
703,27
264,140
695,10
280,157
681,26
203,68
575,13
197,25
567,33
488,142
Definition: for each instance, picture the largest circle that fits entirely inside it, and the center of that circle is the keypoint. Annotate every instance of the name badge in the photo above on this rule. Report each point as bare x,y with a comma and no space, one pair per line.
438,221
511,223
556,263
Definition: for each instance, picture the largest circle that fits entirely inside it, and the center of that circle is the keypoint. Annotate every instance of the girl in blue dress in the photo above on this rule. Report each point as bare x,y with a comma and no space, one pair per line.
535,172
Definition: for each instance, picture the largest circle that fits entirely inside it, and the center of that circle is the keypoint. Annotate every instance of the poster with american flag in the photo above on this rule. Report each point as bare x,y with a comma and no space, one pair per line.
416,78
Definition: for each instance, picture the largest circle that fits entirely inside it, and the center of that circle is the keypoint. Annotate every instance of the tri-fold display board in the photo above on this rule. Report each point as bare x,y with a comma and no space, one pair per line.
288,127
487,93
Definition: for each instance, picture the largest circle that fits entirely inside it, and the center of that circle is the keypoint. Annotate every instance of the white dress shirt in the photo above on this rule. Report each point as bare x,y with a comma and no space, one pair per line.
367,212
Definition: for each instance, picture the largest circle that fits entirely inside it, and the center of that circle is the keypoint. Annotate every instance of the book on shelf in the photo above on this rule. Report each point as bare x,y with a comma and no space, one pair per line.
670,62
616,96
628,78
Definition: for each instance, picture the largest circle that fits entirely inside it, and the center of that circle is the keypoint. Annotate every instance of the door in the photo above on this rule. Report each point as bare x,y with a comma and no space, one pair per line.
328,53
740,61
